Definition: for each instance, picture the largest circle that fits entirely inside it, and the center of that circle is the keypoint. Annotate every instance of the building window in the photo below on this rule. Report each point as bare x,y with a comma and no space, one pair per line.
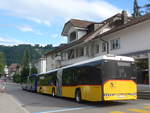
81,51
115,44
97,48
87,51
71,54
73,36
77,53
63,55
104,47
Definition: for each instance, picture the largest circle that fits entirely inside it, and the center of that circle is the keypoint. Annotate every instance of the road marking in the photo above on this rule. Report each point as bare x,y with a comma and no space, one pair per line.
117,112
138,110
18,103
147,104
147,107
66,109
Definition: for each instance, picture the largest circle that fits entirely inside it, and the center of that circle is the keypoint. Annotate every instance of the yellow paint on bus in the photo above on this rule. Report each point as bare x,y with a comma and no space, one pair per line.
120,90
88,92
46,89
111,90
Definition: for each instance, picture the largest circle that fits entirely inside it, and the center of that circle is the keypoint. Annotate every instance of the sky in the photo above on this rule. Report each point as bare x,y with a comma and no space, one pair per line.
41,21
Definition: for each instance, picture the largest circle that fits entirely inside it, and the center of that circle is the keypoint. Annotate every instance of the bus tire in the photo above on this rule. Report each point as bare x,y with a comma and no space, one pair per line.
78,96
40,90
53,92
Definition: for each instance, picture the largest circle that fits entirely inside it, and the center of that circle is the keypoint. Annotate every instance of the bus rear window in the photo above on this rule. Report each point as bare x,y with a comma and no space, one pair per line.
118,70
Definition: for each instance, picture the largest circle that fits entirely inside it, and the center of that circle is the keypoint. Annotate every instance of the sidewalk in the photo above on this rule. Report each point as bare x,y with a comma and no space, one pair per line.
143,91
9,105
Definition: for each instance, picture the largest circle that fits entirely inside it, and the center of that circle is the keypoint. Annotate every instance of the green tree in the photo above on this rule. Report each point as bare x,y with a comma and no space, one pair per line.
25,65
2,63
14,53
17,78
33,70
26,58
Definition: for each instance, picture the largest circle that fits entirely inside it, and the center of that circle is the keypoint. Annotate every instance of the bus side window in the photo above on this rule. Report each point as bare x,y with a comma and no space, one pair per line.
89,75
82,73
67,77
76,76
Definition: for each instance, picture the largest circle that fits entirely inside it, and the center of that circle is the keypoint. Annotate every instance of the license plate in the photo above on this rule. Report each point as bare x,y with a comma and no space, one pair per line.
121,96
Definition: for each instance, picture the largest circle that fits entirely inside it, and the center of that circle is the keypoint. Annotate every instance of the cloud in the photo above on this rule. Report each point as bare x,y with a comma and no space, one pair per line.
49,11
26,29
54,36
10,42
45,22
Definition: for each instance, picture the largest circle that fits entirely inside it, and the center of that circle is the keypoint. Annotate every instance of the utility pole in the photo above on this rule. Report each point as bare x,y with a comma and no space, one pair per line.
136,9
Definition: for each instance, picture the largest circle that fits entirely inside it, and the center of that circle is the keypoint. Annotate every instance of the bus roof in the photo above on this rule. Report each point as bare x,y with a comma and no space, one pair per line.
48,72
106,57
33,75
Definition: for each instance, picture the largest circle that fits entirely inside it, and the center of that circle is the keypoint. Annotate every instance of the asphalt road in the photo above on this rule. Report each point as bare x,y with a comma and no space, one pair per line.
38,103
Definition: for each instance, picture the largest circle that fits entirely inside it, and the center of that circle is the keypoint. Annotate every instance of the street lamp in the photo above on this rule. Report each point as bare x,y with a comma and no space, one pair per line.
30,66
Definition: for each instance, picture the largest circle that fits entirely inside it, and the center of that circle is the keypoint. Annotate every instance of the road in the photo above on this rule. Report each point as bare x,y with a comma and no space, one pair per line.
29,102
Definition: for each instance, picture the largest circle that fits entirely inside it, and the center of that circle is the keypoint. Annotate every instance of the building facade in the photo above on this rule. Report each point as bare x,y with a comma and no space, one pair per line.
119,35
40,65
13,69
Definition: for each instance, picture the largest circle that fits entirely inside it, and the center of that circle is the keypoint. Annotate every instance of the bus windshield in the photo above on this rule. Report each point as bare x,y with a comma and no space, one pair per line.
118,70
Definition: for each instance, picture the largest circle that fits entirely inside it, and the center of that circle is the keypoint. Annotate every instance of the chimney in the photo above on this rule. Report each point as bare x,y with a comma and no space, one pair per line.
124,17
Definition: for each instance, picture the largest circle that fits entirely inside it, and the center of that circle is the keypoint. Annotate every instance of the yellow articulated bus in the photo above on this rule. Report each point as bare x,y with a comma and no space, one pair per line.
104,78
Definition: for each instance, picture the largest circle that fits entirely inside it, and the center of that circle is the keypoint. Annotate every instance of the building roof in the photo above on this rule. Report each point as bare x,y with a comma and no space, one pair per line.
13,67
82,24
131,22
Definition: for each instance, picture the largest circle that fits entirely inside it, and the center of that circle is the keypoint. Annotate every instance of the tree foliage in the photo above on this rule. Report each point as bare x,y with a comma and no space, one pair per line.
14,53
17,78
140,10
25,65
33,70
2,63
142,63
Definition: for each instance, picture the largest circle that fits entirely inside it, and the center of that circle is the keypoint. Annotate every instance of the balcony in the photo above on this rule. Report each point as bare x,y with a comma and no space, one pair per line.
75,60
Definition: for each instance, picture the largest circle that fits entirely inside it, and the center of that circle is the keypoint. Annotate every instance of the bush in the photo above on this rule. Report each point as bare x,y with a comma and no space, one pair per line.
17,78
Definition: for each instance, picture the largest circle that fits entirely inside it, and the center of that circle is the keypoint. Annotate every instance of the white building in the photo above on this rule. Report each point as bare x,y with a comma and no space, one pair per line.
120,35
6,71
40,65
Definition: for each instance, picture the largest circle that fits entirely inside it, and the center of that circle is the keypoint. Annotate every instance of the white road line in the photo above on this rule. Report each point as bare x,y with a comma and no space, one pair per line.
18,104
147,104
65,109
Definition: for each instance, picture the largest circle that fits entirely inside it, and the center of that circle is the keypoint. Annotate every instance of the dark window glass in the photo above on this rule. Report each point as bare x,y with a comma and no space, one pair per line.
71,54
89,75
68,77
73,36
115,44
48,79
103,47
81,51
97,48
86,74
118,70
87,51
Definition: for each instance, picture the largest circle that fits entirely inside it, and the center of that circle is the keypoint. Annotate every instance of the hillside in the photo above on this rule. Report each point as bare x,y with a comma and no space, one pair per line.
14,54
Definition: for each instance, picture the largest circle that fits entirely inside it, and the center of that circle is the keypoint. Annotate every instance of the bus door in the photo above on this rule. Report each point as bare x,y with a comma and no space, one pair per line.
59,83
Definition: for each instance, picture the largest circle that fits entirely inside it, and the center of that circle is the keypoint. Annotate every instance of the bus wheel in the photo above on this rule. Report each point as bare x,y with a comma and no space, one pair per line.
78,96
53,92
